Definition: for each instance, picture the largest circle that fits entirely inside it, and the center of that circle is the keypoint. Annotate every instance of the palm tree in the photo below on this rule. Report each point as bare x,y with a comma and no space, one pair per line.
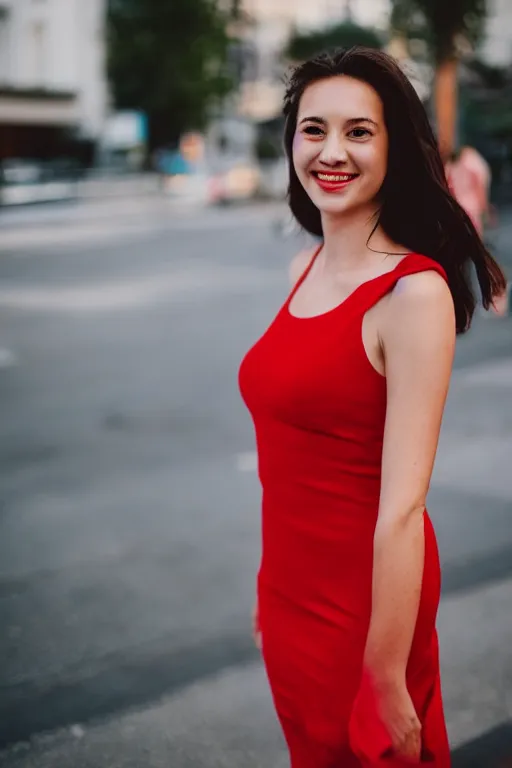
451,28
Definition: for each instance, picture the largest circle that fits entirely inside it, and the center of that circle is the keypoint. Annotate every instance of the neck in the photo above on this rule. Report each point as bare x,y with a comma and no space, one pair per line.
348,240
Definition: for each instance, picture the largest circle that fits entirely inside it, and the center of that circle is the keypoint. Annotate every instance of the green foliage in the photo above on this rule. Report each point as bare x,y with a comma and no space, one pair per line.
168,58
302,46
267,149
409,21
443,23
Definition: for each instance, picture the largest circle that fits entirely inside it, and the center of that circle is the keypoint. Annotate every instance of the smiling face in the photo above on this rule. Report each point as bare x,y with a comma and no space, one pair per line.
340,147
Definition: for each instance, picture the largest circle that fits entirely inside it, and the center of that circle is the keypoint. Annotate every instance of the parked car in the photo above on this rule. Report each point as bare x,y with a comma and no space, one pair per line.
25,181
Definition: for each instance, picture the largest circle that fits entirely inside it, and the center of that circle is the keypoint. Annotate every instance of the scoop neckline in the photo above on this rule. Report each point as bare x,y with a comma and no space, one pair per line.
345,300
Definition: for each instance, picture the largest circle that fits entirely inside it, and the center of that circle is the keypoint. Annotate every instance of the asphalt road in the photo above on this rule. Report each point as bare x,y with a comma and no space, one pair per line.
129,526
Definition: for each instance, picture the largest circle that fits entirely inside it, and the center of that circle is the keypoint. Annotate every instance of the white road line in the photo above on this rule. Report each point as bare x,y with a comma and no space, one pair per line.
247,462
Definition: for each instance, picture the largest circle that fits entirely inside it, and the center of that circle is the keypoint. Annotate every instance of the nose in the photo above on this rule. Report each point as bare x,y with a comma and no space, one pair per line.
333,151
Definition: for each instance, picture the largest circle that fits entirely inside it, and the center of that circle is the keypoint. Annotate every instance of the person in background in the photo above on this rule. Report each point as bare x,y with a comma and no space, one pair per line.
469,179
346,389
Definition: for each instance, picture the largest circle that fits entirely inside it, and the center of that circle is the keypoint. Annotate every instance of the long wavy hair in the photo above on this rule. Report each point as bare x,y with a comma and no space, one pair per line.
416,206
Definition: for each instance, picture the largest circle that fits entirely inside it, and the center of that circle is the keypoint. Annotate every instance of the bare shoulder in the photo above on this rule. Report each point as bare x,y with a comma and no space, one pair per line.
421,303
422,290
299,263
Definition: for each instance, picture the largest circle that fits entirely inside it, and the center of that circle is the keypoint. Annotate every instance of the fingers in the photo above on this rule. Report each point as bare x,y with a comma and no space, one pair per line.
410,747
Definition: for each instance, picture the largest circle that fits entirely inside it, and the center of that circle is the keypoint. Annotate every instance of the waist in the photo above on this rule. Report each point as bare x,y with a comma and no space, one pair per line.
287,453
332,493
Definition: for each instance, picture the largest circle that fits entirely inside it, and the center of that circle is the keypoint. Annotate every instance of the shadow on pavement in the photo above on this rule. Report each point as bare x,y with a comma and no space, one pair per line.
492,750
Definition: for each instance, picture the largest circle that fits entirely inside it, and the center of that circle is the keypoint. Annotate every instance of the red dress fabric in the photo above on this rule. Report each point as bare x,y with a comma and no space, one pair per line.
319,407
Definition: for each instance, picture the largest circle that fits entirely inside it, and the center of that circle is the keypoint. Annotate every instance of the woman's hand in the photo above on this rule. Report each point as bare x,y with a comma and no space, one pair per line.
399,717
383,723
256,629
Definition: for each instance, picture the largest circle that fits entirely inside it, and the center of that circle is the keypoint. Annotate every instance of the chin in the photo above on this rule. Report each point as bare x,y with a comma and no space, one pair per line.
334,204
339,204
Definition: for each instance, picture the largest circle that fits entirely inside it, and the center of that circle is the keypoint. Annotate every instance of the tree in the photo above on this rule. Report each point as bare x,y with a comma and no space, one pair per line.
168,59
302,46
451,27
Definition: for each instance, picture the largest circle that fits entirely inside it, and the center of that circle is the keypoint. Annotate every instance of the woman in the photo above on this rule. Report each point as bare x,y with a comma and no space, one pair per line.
347,389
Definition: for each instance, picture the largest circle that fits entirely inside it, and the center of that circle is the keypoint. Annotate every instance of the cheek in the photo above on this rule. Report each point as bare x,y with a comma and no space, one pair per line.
375,160
303,152
382,157
297,149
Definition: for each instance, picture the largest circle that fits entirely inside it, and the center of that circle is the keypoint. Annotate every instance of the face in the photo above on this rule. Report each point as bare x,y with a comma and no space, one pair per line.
340,147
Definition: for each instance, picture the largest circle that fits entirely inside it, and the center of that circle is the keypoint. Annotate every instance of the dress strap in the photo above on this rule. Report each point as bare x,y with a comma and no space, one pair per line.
304,274
376,289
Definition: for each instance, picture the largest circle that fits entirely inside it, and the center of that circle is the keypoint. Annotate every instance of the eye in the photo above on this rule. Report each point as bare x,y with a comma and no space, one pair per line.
313,130
360,133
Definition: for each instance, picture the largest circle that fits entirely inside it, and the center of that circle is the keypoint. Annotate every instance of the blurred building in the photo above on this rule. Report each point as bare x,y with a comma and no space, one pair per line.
268,25
53,92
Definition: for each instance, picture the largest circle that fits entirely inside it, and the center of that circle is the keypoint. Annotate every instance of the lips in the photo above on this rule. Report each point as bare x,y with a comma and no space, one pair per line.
333,182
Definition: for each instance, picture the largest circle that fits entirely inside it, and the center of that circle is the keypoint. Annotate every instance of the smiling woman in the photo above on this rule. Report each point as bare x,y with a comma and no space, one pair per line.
347,389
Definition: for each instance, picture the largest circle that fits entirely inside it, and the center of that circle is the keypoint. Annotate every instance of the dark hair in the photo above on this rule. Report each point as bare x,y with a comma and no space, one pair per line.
417,208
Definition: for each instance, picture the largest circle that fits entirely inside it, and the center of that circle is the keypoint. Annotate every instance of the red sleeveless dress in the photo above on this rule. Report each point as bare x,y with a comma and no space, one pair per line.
319,407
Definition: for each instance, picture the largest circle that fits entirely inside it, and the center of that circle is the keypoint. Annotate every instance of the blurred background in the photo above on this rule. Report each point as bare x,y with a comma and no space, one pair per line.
144,245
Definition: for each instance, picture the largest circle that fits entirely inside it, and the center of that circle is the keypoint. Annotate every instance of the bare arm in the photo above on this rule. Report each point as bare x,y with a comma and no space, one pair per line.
418,338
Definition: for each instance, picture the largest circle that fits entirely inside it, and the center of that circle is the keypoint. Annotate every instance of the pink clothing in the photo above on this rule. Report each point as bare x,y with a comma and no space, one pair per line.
469,178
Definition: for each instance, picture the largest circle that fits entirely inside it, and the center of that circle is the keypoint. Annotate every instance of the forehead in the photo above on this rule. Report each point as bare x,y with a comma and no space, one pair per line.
341,97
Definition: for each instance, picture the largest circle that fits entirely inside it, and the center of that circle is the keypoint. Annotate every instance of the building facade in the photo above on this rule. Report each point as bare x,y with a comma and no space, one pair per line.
52,75
269,25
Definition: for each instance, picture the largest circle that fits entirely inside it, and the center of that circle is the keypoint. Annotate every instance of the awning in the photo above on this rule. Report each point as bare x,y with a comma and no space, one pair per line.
38,107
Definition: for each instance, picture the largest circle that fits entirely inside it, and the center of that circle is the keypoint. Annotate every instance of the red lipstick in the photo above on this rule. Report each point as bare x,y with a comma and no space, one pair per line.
333,182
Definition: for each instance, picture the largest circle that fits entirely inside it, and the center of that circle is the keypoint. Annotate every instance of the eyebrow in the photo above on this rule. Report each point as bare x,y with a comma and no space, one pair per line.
361,120
352,121
312,120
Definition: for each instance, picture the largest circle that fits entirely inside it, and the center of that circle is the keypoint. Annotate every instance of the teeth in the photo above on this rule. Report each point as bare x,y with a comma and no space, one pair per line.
331,177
